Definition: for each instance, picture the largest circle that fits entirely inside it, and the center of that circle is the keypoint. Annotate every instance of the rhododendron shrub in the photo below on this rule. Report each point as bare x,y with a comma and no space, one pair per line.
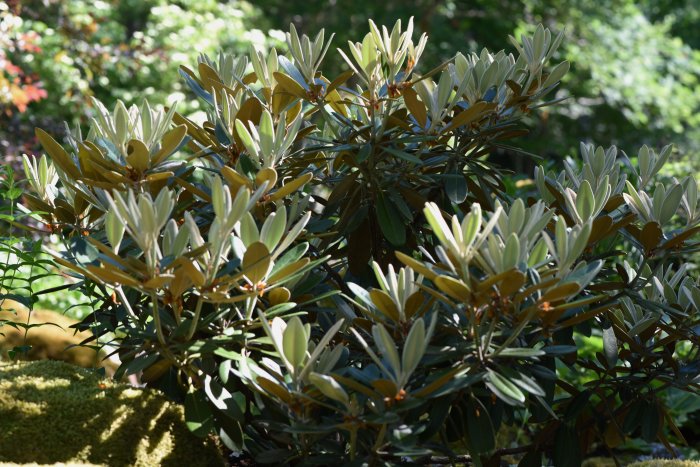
328,269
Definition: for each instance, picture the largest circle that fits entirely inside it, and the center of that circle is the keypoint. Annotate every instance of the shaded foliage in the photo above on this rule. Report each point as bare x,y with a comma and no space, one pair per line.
328,268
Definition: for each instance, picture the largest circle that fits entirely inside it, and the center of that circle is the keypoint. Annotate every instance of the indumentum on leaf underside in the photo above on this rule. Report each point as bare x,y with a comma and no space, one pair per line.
329,268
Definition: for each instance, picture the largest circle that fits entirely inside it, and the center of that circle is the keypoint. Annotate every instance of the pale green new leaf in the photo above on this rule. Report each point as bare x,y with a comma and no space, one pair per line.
329,387
295,342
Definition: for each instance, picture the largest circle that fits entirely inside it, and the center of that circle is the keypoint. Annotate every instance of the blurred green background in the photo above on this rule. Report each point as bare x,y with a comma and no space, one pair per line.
635,74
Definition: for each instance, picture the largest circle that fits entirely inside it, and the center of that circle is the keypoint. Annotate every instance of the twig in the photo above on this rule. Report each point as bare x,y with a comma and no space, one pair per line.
444,460
333,274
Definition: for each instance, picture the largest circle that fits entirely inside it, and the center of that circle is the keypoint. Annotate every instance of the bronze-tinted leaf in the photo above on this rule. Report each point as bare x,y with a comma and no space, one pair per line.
89,167
111,275
57,154
64,215
171,140
159,281
453,287
651,236
234,179
473,113
355,386
515,87
385,387
635,231
289,85
250,78
614,202
180,283
416,265
340,79
414,304
289,270
113,177
250,111
159,176
215,86
256,262
193,272
137,155
292,113
281,100
502,278
415,106
268,175
600,228
275,389
560,292
207,73
278,295
193,189
386,305
292,186
678,240
96,155
105,250
155,371
511,283
35,204
194,131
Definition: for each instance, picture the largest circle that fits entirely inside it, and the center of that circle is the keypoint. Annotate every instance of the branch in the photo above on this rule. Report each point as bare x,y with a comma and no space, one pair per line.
340,282
444,460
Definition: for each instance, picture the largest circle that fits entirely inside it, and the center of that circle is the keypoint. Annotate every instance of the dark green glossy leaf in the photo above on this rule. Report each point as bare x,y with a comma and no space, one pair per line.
634,416
480,429
531,459
505,389
390,221
363,153
198,414
567,452
455,187
559,349
650,422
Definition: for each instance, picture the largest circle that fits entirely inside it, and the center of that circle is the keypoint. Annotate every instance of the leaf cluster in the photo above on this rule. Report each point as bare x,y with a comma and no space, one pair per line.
329,267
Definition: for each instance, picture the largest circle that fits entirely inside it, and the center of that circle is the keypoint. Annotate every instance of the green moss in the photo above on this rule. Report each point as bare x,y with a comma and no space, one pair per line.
53,412
58,464
609,462
665,463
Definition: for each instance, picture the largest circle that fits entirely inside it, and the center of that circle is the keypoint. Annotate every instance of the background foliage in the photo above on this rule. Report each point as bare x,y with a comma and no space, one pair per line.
635,65
635,71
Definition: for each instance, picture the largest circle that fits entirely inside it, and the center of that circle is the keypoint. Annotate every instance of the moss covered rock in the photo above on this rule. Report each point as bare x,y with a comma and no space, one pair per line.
53,412
48,341
666,463
609,462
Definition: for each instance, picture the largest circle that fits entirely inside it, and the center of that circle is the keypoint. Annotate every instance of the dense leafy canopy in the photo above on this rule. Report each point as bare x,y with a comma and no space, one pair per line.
317,251
328,267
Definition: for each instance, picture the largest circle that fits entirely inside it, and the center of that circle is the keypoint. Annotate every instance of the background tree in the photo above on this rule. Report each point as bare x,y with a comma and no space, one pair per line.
635,65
